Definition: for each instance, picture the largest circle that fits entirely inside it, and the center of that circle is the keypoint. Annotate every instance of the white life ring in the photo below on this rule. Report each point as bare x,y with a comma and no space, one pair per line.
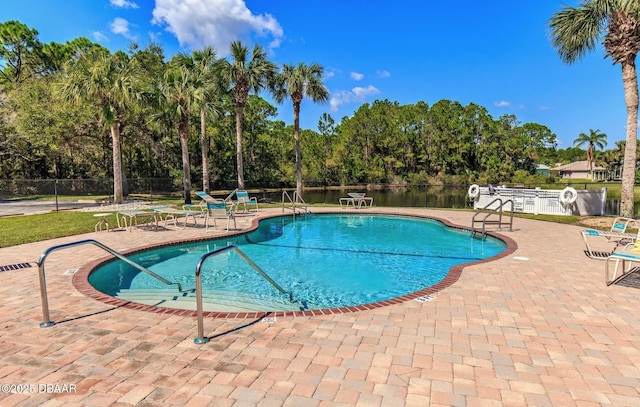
474,191
568,196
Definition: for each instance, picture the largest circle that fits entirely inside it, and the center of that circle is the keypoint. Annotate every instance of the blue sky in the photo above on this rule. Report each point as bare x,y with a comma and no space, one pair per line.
496,53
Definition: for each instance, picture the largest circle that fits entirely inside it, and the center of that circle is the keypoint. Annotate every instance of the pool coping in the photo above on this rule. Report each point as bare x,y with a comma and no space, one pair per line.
80,279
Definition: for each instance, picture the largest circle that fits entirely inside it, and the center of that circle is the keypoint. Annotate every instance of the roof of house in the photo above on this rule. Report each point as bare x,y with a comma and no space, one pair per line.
578,166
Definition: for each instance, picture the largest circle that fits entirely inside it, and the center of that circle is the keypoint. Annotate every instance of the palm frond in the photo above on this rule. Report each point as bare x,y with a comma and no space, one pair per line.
574,31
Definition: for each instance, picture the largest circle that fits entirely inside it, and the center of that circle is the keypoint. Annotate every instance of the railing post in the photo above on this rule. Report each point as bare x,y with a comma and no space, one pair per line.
43,296
201,338
43,283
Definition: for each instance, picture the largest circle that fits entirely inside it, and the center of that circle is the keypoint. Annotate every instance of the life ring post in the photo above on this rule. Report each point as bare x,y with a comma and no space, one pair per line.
474,192
568,196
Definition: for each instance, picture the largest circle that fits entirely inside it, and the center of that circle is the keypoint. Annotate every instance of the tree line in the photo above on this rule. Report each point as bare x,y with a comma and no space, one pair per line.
77,110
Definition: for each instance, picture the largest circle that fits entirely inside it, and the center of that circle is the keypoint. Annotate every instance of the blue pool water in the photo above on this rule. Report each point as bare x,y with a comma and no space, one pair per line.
325,261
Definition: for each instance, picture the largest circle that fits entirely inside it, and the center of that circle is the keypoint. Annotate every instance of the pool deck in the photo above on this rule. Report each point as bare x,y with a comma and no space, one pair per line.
537,327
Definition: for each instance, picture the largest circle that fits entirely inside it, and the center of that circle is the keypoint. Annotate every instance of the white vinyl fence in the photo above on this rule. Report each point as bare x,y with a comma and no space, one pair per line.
543,201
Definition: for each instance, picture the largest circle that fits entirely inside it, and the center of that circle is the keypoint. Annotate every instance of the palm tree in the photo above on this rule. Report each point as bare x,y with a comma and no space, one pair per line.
207,69
621,145
576,30
296,82
182,95
619,152
609,160
243,75
110,82
595,139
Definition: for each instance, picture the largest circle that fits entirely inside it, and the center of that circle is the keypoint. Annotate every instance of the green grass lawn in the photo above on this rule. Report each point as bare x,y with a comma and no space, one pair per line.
34,228
17,230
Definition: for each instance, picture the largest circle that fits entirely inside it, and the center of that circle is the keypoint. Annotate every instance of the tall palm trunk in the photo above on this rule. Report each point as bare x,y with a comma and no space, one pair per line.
186,177
117,162
204,146
630,82
239,164
296,138
590,155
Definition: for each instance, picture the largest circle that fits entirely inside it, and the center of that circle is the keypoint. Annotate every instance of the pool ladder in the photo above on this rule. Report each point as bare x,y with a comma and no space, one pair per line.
294,202
489,211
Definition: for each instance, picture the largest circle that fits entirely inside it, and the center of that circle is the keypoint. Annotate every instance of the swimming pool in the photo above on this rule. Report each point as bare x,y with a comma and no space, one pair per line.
325,261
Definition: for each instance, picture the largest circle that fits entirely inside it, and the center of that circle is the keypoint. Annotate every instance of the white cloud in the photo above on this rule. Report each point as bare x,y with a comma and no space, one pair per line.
100,37
357,76
123,4
331,72
216,23
120,26
502,103
383,74
362,93
357,94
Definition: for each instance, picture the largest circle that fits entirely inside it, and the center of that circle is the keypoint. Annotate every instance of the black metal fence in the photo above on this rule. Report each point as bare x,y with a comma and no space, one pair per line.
16,188
85,187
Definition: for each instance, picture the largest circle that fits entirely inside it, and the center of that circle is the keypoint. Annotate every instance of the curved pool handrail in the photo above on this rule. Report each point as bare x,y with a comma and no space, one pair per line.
297,198
488,210
43,284
201,338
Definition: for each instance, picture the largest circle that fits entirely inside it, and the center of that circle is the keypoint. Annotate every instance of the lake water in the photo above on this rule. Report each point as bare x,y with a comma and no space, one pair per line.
414,197
436,197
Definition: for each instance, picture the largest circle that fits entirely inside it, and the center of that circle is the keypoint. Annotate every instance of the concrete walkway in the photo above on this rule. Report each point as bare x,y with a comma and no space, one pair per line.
536,328
31,207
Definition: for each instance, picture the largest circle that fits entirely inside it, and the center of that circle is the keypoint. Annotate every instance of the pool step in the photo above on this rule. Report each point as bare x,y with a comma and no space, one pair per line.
212,300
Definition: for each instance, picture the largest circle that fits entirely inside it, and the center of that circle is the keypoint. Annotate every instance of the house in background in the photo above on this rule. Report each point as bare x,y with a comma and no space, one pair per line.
581,170
542,169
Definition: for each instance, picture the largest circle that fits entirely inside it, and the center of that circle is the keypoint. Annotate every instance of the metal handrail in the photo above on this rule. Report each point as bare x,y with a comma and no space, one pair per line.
201,338
286,194
296,198
492,211
43,284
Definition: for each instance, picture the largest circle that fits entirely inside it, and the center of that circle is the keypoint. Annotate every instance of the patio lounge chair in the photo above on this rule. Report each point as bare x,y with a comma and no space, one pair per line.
172,214
129,218
202,205
618,234
220,210
206,197
242,198
629,254
357,199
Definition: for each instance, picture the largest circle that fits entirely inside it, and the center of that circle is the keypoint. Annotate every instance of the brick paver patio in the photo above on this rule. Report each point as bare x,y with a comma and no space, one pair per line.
538,327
